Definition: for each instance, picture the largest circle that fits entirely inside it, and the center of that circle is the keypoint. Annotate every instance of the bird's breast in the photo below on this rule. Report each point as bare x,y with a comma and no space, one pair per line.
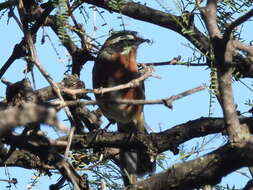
109,74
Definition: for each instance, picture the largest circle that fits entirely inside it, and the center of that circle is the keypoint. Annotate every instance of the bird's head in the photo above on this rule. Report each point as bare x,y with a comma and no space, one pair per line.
121,42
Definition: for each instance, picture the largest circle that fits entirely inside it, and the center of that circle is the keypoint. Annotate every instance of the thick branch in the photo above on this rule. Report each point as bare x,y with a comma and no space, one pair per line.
167,140
249,185
246,48
7,4
194,174
24,115
18,51
163,141
47,154
236,23
237,133
24,159
224,51
209,15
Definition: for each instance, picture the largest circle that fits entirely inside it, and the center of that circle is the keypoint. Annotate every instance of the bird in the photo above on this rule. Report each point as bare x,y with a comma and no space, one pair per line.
116,64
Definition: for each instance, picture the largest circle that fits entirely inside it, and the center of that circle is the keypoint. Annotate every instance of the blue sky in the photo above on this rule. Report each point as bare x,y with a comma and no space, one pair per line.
174,79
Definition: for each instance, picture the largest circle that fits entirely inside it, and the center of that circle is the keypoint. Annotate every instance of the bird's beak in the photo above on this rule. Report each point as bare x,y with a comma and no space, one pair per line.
140,40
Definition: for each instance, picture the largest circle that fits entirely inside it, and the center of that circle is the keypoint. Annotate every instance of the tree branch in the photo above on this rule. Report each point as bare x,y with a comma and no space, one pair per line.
166,101
236,23
209,15
131,84
166,140
47,154
27,114
244,47
7,4
194,174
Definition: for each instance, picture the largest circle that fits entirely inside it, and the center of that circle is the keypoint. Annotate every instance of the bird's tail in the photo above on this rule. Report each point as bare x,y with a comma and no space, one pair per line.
135,161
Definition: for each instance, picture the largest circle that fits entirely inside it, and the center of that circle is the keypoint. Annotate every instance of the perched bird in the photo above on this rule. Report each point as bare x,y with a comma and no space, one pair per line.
115,65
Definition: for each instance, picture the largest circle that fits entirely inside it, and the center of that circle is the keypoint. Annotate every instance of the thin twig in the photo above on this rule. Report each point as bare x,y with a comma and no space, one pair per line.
165,63
174,61
71,133
11,14
13,181
133,83
20,49
70,175
166,101
80,31
34,59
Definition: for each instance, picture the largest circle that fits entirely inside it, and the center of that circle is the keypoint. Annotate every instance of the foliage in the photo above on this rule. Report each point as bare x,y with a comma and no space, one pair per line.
62,18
